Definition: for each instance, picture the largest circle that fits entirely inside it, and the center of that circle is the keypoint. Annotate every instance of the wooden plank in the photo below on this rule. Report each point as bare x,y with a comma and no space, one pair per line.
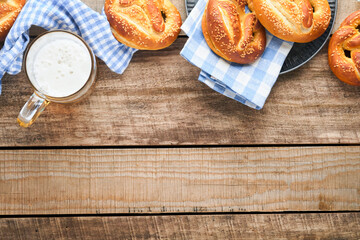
344,9
239,226
98,6
158,101
179,180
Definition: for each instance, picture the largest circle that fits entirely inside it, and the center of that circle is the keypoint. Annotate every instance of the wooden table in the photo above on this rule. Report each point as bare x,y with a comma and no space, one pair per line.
155,153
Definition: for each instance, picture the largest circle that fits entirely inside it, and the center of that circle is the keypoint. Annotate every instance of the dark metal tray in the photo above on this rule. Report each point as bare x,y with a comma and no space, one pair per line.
301,53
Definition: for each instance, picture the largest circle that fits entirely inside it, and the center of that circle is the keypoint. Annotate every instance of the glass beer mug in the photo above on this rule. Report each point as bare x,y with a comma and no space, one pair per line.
61,68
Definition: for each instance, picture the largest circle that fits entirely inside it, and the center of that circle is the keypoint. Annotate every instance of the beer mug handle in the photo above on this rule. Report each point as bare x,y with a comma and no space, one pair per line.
31,110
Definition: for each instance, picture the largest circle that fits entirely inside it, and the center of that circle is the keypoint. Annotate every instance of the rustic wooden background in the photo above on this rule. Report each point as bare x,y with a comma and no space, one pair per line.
92,181
240,226
181,161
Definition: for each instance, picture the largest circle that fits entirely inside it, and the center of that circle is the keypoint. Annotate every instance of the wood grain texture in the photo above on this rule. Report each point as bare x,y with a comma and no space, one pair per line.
158,101
345,7
98,6
249,226
179,180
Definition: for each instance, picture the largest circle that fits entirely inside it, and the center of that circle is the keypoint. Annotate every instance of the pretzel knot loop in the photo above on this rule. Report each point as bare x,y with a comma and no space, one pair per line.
231,33
294,20
344,50
143,24
9,10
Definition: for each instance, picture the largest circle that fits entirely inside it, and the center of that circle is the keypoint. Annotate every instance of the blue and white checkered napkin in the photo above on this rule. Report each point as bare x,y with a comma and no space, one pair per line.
248,84
71,15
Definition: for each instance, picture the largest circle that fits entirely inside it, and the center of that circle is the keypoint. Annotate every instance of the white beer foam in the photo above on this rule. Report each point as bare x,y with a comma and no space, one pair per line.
58,64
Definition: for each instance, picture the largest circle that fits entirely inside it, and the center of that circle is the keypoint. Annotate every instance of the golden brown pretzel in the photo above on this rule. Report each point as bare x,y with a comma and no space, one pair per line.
9,10
344,50
294,20
143,24
231,33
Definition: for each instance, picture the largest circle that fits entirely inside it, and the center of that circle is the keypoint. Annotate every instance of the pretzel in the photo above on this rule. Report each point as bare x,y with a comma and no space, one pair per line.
294,20
9,10
231,33
344,50
143,24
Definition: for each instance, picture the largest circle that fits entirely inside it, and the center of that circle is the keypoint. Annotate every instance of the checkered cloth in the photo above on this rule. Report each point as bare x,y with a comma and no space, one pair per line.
71,15
248,84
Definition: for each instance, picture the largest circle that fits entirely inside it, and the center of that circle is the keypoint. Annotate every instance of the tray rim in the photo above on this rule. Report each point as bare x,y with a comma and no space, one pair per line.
320,47
312,56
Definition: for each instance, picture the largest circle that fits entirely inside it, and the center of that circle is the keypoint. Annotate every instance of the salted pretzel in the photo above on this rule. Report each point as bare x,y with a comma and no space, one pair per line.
9,10
143,24
231,33
294,20
344,50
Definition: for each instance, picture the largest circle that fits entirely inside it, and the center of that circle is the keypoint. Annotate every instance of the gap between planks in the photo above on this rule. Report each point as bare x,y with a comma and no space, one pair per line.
98,181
